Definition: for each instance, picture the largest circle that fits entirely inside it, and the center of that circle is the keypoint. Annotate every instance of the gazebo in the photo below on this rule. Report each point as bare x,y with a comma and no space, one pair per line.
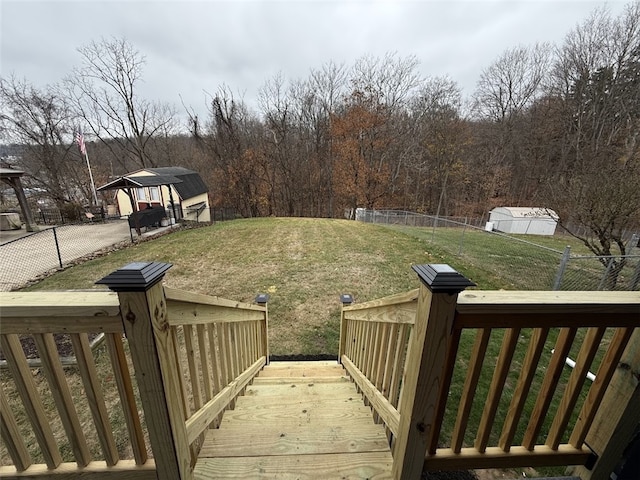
11,177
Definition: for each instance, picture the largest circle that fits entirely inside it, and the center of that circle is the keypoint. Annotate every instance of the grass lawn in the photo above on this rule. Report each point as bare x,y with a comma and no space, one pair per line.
514,259
304,265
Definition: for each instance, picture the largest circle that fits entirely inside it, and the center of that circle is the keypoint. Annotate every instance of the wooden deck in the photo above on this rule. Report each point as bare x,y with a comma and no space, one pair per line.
297,420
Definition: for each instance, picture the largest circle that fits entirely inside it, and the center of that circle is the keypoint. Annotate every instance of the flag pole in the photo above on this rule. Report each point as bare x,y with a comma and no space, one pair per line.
93,185
79,138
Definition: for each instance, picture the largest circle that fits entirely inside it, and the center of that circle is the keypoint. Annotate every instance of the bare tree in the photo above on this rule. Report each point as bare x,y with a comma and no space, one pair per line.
40,121
441,138
595,182
104,91
511,84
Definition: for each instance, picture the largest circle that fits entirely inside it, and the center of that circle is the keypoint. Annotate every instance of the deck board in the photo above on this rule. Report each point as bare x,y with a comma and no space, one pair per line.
370,465
300,420
238,441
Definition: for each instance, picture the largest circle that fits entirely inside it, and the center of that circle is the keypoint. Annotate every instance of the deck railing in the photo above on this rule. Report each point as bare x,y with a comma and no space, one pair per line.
513,402
192,355
58,431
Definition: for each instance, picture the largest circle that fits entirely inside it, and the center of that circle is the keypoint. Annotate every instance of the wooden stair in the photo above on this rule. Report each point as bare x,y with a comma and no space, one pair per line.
302,420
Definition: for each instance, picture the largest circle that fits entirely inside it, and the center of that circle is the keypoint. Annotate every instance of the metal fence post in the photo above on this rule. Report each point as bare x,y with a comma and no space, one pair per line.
632,243
55,239
605,275
635,280
462,236
564,261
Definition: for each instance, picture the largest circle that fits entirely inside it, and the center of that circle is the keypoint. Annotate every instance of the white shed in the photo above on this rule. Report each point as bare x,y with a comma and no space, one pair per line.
526,220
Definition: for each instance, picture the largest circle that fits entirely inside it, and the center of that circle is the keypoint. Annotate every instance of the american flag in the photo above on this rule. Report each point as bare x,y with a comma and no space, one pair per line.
80,142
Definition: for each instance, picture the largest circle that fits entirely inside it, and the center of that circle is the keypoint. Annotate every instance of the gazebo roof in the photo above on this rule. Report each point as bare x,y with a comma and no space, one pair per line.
10,172
141,181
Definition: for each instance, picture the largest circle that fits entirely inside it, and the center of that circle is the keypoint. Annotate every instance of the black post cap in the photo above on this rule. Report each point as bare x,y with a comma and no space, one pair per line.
135,277
441,278
346,298
262,298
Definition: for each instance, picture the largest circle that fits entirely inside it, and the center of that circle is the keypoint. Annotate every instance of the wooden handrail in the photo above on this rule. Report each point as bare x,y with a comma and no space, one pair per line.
193,354
584,317
40,316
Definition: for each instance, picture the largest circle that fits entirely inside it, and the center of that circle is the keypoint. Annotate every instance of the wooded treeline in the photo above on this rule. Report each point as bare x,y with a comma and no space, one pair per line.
553,126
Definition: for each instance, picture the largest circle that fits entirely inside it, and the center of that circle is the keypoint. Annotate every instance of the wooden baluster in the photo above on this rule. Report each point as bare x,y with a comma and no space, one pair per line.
196,390
17,363
498,380
127,396
206,362
52,367
607,368
95,398
450,362
470,385
548,387
527,373
10,433
574,386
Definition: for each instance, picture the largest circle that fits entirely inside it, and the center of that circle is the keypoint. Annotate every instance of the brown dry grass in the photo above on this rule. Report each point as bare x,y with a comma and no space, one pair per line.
304,264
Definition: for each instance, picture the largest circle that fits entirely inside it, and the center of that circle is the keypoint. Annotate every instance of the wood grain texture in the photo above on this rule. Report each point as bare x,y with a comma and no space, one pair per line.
236,440
495,457
30,398
306,430
548,387
155,368
422,380
521,392
58,304
469,390
95,397
124,470
201,419
62,397
543,302
378,401
127,397
592,403
175,295
618,415
503,364
346,466
48,324
585,357
10,433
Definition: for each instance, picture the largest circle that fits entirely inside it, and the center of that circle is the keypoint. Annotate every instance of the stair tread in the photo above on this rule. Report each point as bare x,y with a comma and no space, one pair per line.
308,467
347,397
237,440
302,369
314,379
285,389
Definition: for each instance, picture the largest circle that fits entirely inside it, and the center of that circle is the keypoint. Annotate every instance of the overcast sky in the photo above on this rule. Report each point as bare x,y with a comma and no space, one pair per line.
195,46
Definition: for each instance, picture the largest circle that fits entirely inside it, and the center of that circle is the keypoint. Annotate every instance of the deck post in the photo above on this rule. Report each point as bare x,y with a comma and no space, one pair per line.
144,314
618,415
346,299
262,299
426,357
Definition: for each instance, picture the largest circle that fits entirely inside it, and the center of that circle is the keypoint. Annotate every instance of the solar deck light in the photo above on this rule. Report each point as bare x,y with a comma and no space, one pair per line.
346,298
262,298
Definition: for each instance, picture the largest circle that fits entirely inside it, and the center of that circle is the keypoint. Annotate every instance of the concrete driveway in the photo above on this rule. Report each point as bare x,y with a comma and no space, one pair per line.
23,257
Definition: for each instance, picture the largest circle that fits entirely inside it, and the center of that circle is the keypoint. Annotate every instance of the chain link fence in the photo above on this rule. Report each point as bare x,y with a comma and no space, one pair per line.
28,257
517,262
